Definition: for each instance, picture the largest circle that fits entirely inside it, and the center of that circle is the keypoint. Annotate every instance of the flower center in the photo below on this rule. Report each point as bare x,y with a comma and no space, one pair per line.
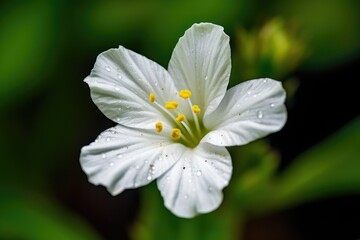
184,129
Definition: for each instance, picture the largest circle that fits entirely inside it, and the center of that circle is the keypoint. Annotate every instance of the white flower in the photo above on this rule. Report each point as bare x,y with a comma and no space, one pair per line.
173,125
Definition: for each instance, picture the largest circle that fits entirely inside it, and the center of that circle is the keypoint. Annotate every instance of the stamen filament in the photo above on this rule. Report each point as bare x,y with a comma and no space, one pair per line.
196,120
188,129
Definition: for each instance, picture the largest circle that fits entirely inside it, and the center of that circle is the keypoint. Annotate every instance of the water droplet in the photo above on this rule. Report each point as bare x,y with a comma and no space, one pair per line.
118,119
272,105
119,156
103,155
117,89
265,80
108,68
260,114
249,92
108,139
137,167
149,178
152,167
255,95
119,76
190,180
186,196
198,172
111,164
96,140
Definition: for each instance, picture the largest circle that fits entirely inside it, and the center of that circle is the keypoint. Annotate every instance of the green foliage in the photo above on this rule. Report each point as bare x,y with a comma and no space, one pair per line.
157,223
329,169
26,36
331,28
28,217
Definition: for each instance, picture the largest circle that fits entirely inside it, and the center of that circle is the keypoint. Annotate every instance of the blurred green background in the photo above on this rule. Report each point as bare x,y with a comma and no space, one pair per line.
300,183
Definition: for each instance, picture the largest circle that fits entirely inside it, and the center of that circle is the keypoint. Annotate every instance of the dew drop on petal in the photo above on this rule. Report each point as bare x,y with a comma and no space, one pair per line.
149,178
107,68
272,105
117,89
198,172
119,76
108,139
260,114
103,155
186,196
265,80
111,164
249,92
119,156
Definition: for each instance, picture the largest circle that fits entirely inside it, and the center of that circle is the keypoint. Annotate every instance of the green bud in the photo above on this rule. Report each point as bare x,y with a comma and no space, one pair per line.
274,50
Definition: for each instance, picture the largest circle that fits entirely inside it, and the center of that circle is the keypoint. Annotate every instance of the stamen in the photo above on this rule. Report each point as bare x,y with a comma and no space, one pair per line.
196,109
185,93
158,126
175,133
152,97
180,118
171,105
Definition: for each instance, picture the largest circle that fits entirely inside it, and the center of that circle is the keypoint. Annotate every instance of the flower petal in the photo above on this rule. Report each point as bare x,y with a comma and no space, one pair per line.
201,62
194,184
122,158
248,111
121,82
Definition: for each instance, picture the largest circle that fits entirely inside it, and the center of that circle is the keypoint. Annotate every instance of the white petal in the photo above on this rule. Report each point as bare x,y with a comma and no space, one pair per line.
248,111
194,184
122,158
201,62
121,82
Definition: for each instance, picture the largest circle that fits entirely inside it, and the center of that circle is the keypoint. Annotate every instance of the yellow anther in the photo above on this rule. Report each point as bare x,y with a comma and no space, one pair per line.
171,105
159,127
180,117
152,97
196,109
175,133
185,93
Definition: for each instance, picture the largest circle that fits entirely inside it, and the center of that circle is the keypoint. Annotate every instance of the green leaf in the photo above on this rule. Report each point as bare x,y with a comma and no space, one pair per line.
28,217
329,169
